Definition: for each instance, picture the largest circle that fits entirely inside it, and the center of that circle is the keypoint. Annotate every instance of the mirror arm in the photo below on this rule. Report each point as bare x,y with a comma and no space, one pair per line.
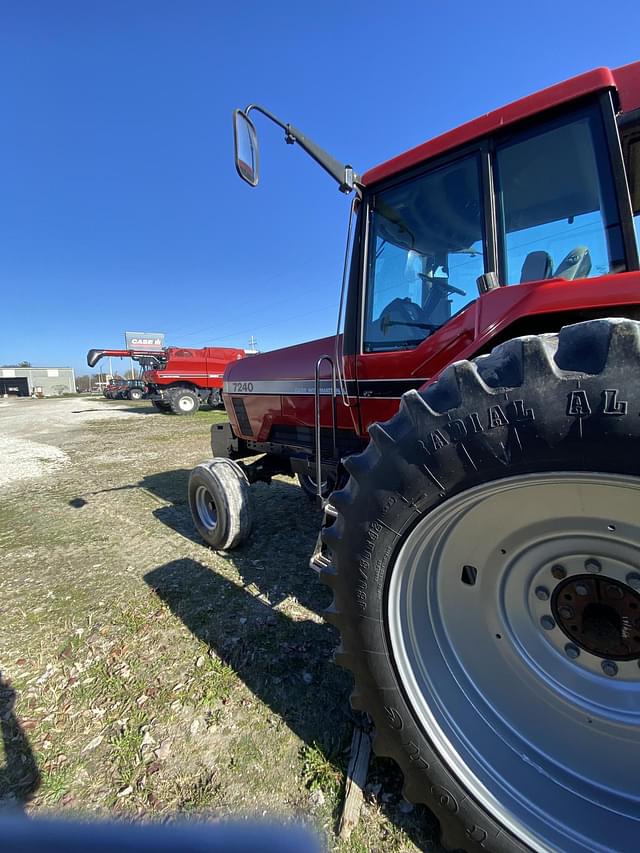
343,174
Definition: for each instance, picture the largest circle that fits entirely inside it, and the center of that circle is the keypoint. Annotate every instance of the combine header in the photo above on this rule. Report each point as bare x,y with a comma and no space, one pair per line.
478,415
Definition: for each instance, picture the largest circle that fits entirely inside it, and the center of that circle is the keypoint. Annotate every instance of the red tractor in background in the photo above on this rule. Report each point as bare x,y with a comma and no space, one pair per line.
478,415
115,385
178,379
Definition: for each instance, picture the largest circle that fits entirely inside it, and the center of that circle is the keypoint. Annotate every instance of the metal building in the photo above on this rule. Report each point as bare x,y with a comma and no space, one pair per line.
43,381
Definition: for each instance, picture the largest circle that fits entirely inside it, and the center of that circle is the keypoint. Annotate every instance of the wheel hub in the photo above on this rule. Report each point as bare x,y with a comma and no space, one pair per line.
599,614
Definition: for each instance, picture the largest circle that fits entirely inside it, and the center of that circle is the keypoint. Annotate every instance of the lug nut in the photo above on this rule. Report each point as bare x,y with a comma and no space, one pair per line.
558,572
542,593
614,592
592,565
633,579
565,611
609,668
547,622
581,589
571,651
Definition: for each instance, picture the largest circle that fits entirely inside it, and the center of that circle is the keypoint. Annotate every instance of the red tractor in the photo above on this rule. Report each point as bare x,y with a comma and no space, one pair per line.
114,387
177,379
478,417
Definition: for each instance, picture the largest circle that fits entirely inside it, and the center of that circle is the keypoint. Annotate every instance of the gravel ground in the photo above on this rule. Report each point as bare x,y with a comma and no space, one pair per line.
144,675
25,458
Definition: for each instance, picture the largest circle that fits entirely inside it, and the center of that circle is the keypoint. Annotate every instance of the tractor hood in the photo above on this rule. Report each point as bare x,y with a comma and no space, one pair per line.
290,370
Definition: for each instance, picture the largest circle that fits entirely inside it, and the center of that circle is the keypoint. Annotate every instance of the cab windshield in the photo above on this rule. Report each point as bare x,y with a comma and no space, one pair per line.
426,251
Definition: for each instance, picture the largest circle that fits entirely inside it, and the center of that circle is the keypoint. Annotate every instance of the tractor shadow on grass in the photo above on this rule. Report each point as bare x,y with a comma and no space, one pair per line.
19,775
285,528
288,665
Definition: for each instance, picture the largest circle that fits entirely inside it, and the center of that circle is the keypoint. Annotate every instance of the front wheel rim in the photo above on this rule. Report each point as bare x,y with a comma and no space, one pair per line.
547,740
186,404
206,509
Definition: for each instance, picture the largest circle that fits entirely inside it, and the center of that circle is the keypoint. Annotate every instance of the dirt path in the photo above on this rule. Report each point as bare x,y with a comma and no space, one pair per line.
144,674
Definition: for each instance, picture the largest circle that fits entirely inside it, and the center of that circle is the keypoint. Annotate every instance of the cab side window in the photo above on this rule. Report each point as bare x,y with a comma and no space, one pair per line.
556,205
631,152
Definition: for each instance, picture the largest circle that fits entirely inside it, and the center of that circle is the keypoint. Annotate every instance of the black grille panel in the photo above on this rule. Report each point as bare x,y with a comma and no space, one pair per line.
241,414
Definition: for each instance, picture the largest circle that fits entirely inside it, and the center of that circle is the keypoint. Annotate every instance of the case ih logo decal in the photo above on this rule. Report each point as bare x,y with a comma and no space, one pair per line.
153,341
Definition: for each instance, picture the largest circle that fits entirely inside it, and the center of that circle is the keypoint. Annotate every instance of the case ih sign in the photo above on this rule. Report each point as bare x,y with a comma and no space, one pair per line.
152,341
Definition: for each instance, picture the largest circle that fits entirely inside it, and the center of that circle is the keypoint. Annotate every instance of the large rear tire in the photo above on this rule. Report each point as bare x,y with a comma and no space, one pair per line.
486,568
220,503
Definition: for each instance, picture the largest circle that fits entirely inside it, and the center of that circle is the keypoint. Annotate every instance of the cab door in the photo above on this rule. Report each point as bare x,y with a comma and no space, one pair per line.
425,249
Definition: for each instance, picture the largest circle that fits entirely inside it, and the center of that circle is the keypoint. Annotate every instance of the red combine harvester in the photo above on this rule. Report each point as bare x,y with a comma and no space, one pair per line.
478,414
178,379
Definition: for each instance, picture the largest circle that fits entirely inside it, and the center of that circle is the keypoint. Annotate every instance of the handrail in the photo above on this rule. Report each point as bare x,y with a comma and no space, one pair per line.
339,353
317,419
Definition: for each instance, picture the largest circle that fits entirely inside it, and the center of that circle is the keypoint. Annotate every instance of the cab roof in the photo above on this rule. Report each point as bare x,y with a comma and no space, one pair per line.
626,80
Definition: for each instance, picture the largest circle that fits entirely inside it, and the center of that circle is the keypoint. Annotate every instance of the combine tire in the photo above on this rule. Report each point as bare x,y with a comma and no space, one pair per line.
161,406
135,394
220,503
214,400
183,401
308,485
486,580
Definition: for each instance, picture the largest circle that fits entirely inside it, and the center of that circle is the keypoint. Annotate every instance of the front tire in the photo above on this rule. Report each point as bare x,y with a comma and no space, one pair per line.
135,394
220,504
486,568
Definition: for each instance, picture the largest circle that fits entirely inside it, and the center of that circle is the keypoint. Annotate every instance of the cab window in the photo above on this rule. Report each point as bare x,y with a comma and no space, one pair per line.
556,205
631,150
425,252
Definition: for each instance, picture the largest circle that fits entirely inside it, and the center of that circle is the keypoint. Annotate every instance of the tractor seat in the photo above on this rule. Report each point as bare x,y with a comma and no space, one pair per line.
536,266
576,264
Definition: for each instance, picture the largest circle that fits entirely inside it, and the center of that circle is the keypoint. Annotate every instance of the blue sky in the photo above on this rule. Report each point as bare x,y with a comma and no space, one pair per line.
119,204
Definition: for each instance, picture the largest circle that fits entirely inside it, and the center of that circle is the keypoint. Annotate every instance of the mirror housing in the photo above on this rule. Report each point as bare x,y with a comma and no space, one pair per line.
245,141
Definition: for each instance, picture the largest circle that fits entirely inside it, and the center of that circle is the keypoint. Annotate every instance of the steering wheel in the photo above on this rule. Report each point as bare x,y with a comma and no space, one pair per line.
404,312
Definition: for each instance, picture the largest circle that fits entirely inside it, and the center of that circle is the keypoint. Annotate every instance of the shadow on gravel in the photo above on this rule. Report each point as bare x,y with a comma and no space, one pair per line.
288,665
19,777
138,410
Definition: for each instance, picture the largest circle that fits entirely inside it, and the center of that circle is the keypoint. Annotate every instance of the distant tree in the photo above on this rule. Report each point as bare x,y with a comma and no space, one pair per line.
83,383
24,364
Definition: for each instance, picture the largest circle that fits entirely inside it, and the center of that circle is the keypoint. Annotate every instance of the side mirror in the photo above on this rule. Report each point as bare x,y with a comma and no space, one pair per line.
246,147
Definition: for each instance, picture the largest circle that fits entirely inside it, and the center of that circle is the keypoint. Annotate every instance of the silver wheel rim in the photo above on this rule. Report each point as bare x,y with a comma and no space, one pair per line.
186,404
546,740
206,508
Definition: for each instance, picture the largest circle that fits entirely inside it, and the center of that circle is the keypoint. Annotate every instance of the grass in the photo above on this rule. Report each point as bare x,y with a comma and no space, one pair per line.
127,750
319,772
154,677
